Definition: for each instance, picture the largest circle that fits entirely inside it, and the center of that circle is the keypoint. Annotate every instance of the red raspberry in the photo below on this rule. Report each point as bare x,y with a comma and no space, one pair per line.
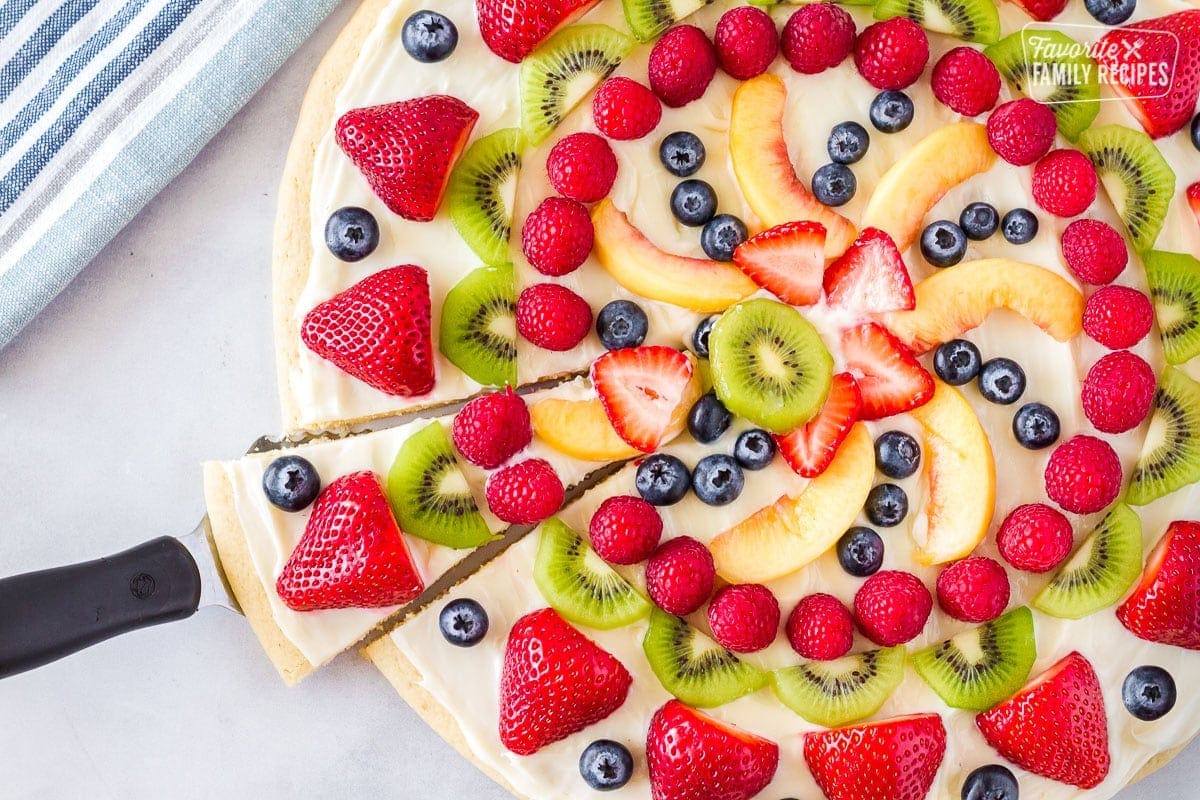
747,42
744,618
1118,317
966,80
892,54
1022,131
973,590
817,37
1094,251
682,65
525,493
892,607
820,628
491,429
680,576
553,317
625,110
1118,392
1084,475
558,236
1064,182
1035,537
582,167
625,530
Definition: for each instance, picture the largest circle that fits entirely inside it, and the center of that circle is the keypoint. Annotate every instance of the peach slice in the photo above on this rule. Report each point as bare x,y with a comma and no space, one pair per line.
764,169
580,429
960,298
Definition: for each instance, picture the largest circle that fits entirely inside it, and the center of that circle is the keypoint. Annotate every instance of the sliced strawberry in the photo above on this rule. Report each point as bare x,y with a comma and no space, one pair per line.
809,450
646,393
1042,10
378,330
786,260
870,277
1054,727
1193,197
513,29
555,682
352,554
1165,607
889,376
1137,58
895,759
691,756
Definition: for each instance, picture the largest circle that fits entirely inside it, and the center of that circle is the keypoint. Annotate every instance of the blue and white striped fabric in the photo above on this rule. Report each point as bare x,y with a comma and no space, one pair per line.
102,103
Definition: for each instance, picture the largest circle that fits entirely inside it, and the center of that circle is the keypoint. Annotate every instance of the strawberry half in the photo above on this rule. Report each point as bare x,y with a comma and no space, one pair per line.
407,149
1054,727
690,756
646,393
786,260
1193,198
555,682
352,554
810,449
889,376
512,29
1170,44
895,759
378,330
870,277
1165,607
1042,10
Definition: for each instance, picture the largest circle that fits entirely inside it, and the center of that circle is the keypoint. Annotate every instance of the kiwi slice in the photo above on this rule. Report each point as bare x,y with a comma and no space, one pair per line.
836,693
972,20
563,70
1066,77
693,667
580,585
981,667
1170,456
481,193
479,330
1174,280
429,493
1136,177
1101,570
769,365
650,18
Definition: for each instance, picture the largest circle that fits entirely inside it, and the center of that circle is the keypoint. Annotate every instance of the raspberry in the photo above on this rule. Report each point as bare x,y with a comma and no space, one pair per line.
1094,251
553,317
1035,537
747,42
680,576
892,54
1064,182
817,37
625,530
744,618
682,65
625,109
582,167
820,628
525,493
1021,131
966,81
491,429
1118,317
973,590
892,607
558,236
1084,475
1118,392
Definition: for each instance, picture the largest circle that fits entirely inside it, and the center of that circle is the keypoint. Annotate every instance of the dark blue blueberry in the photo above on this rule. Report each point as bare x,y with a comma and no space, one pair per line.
957,362
1196,131
1035,426
834,184
943,243
694,202
992,782
622,323
351,233
1001,381
682,153
891,111
606,765
979,221
887,505
848,143
662,480
860,551
722,235
754,449
464,623
429,36
897,454
1149,693
718,480
291,483
708,419
1111,12
1020,226
700,336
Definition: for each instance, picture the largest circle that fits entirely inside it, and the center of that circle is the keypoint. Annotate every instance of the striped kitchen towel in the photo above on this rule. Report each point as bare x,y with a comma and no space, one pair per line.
102,103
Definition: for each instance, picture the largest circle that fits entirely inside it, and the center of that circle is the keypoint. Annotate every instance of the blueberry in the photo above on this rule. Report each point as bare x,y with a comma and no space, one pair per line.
943,243
848,143
860,551
622,323
891,111
709,419
682,153
718,480
1020,226
979,221
887,505
957,362
722,235
606,765
429,36
1149,693
897,454
694,202
1002,381
662,480
992,782
1035,426
351,233
1110,12
1196,131
754,449
700,336
834,184
464,623
291,483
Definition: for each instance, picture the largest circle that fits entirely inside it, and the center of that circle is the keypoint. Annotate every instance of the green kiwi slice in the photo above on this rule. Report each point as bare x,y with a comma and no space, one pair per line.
478,331
481,193
836,693
693,667
429,493
1170,456
972,20
1075,94
1174,280
578,584
563,70
769,365
1101,570
1136,177
981,667
650,18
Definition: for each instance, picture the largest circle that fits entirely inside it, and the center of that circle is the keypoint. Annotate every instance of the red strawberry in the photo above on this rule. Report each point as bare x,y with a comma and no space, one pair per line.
1042,10
692,756
870,277
555,682
407,149
352,554
513,29
1166,49
378,330
1054,727
889,376
645,392
1193,197
786,260
810,449
895,759
1165,607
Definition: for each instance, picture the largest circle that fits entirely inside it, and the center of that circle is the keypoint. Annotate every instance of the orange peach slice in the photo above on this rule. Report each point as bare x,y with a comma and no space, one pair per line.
580,429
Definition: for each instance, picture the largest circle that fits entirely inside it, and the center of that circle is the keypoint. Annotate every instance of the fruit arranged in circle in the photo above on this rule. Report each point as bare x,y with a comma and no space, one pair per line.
810,448
981,667
787,260
845,690
579,585
693,667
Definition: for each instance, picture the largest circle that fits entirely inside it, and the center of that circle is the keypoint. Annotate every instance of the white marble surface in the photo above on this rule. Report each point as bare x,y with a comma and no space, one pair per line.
155,359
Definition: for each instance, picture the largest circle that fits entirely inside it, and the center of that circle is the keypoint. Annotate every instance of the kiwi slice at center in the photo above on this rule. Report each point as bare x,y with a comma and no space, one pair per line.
836,693
972,20
1170,457
1174,280
481,192
1136,178
693,667
578,584
981,667
649,18
1101,570
1052,67
478,330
